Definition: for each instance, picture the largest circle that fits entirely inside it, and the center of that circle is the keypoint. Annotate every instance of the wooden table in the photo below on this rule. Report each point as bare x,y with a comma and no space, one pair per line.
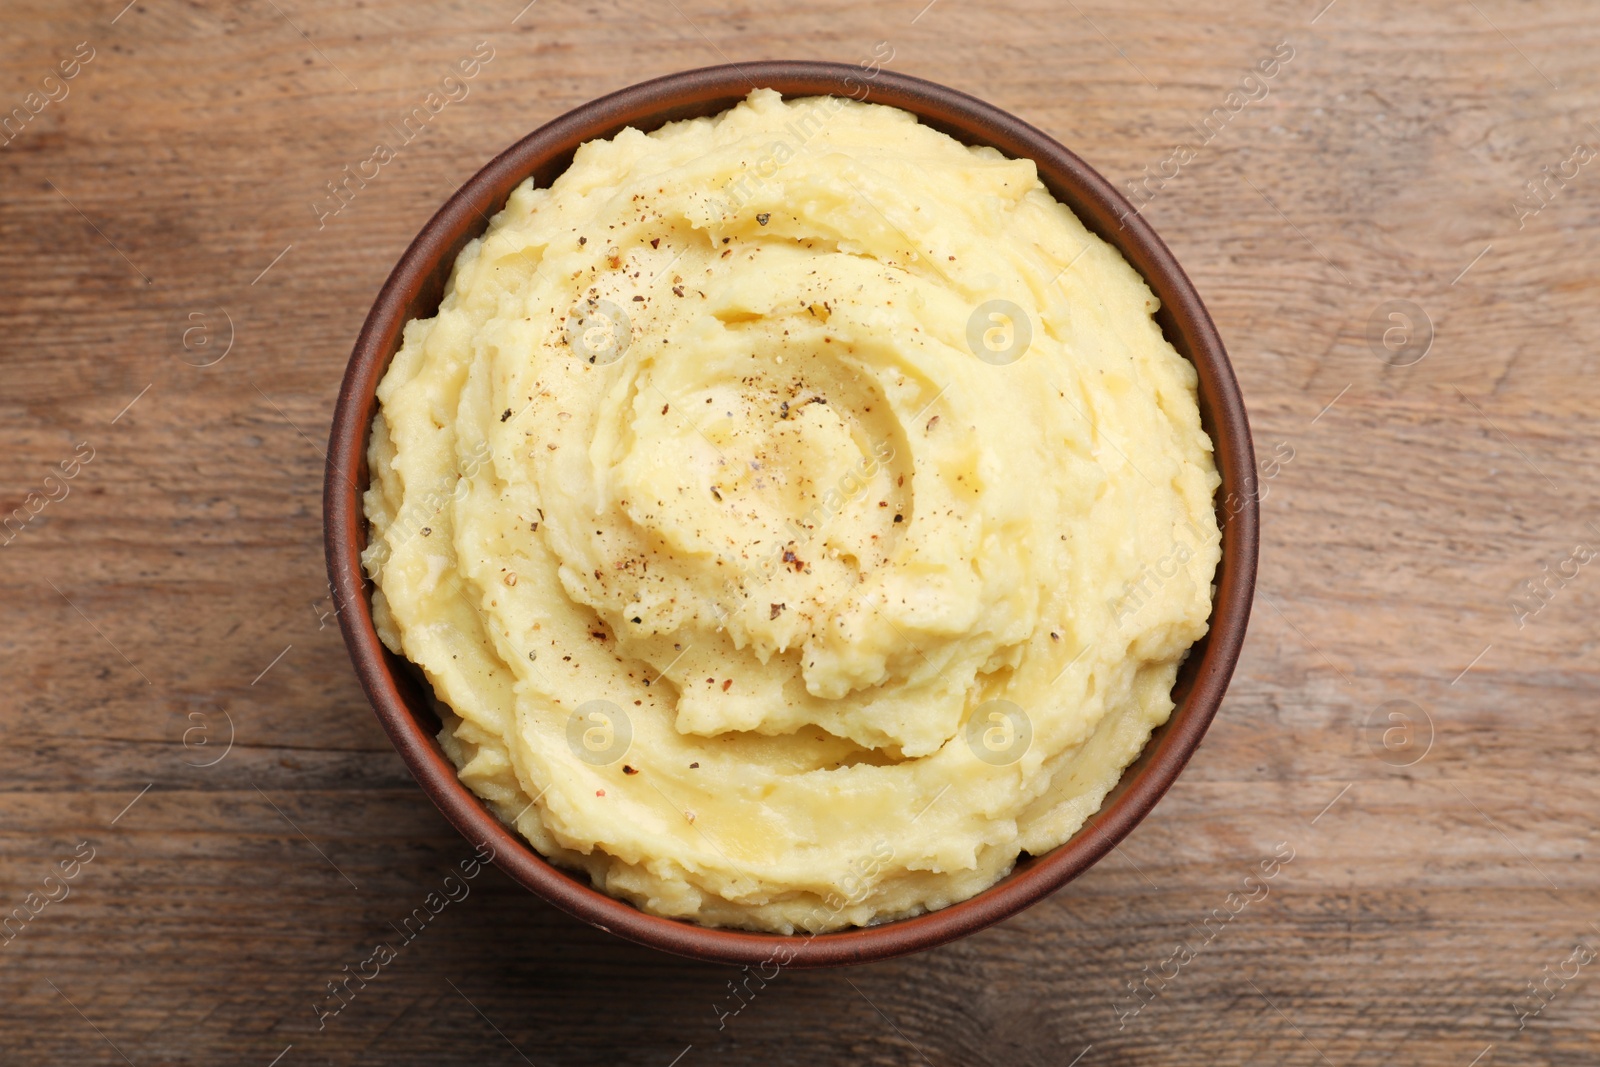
172,592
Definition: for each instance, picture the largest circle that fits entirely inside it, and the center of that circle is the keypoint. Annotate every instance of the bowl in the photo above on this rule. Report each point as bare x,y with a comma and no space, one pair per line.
402,698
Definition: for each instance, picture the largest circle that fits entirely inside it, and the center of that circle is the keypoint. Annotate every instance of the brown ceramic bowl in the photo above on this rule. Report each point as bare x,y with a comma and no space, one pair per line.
414,289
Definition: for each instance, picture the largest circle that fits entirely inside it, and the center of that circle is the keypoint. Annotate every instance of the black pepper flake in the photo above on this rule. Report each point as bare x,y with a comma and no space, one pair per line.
664,408
427,530
655,242
899,518
694,765
637,619
506,414
763,217
583,240
638,300
777,609
1054,636
628,770
677,290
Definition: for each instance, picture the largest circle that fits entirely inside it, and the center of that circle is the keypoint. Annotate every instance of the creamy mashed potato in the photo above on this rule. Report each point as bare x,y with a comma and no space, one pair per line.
798,512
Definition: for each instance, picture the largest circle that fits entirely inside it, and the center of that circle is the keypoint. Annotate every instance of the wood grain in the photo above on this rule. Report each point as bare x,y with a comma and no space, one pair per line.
145,605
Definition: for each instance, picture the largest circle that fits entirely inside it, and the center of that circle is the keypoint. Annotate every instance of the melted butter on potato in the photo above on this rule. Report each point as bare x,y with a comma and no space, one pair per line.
798,512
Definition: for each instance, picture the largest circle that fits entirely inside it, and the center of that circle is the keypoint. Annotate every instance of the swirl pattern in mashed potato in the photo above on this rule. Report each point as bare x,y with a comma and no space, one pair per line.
798,511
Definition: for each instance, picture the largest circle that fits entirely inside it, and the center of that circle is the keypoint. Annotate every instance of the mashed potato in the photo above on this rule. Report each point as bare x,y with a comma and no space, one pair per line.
799,512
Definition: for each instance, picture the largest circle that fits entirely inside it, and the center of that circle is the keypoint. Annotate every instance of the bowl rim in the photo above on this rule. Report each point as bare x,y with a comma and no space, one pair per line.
416,281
